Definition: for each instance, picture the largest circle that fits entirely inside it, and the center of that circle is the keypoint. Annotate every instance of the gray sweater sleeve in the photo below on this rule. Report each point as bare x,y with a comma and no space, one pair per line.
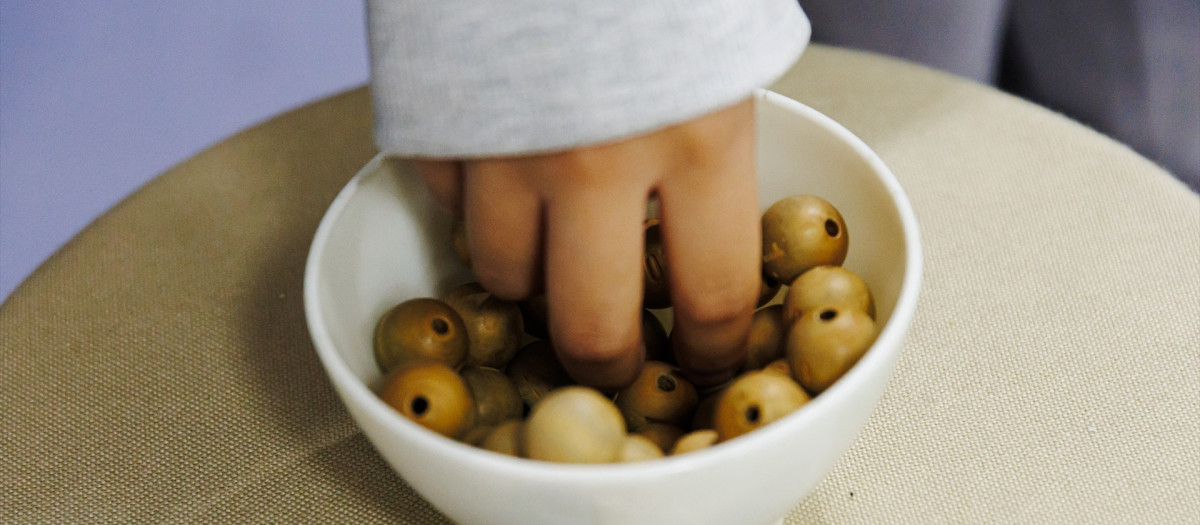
469,78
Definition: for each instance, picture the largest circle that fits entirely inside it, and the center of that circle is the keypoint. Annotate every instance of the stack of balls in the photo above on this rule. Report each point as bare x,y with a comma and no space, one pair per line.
484,371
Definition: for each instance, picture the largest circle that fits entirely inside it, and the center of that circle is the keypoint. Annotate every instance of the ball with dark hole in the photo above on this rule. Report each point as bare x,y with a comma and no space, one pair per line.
432,395
754,400
659,394
824,344
420,331
827,286
800,232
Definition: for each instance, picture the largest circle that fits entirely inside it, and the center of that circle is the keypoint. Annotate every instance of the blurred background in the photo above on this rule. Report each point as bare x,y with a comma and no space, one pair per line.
98,97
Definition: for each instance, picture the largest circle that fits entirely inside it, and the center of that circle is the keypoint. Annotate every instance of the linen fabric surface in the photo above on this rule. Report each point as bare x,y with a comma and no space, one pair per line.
158,368
459,78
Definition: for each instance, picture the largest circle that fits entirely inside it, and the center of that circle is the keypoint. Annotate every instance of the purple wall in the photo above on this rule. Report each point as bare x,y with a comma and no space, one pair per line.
96,98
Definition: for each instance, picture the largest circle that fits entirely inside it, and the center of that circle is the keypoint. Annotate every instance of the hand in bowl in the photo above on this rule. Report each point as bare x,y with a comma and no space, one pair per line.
571,222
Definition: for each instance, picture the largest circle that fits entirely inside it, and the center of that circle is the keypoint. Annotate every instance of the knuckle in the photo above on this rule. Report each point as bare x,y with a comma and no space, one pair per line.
594,339
716,304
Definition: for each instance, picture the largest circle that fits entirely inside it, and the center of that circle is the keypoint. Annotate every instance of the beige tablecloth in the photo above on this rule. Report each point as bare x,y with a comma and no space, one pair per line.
158,368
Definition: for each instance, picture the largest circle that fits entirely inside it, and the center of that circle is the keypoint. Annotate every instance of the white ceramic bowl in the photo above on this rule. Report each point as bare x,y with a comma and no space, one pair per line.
384,240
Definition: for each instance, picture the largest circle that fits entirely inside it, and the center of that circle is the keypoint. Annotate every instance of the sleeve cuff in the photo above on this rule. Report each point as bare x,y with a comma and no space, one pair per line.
461,79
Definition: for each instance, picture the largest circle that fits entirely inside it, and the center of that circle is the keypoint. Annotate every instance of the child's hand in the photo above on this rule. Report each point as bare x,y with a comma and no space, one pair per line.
573,221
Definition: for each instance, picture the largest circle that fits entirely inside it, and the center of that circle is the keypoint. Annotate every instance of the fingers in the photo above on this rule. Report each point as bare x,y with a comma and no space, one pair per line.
593,275
576,217
503,217
711,232
444,180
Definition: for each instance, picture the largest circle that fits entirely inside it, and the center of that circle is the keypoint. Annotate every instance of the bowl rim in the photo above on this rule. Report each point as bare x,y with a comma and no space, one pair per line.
889,341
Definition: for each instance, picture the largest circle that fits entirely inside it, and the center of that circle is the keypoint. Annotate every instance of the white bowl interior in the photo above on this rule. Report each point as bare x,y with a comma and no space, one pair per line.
384,240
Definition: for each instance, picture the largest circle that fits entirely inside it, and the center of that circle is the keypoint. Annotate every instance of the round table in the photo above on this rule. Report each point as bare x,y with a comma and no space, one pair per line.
158,367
